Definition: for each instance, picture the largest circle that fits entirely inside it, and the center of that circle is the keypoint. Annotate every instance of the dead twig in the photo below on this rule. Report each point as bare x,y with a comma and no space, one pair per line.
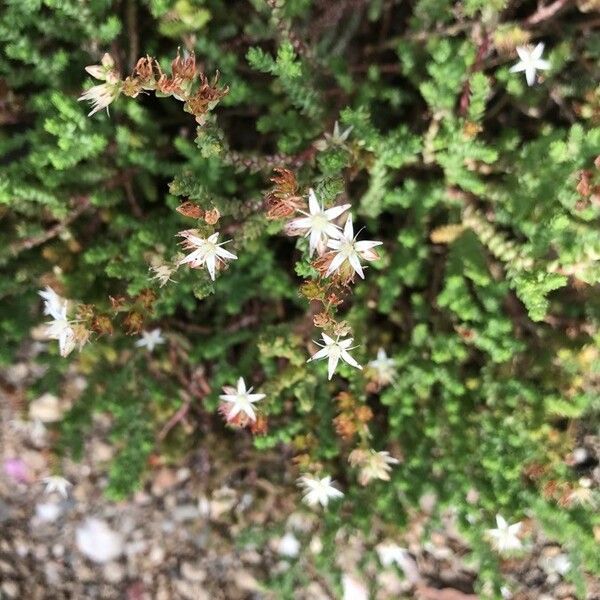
543,13
177,417
54,231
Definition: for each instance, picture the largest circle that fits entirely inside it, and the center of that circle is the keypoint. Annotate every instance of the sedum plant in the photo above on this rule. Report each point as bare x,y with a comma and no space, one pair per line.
382,218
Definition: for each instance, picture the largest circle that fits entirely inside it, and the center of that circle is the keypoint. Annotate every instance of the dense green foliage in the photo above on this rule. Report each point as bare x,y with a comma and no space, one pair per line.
484,191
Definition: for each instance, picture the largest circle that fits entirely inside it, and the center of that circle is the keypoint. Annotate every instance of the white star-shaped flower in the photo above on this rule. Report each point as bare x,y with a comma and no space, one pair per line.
54,305
318,491
57,484
530,61
317,223
241,400
205,252
504,537
150,339
348,249
334,350
384,367
338,136
102,95
59,328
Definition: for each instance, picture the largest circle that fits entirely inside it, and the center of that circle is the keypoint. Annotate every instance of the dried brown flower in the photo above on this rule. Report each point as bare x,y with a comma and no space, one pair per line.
102,325
184,68
131,87
147,298
323,320
117,302
170,86
205,97
364,414
144,69
344,426
133,322
190,209
283,200
260,426
212,216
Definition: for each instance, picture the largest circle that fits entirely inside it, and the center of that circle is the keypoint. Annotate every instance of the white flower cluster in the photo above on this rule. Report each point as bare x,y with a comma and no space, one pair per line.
324,234
327,237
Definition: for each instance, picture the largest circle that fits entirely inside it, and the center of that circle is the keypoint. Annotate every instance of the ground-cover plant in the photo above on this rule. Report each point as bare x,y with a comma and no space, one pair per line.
382,217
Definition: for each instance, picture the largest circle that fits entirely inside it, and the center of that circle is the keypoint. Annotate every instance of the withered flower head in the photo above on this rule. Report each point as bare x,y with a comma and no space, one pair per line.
260,426
285,181
170,86
212,216
185,67
131,87
81,335
364,414
205,98
283,200
345,426
144,69
345,401
85,312
102,325
133,323
147,297
323,320
190,209
372,465
117,302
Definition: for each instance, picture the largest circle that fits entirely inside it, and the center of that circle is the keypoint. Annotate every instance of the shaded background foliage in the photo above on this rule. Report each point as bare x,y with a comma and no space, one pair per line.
484,191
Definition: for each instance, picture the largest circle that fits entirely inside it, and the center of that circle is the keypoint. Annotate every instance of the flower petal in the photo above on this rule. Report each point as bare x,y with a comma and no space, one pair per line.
332,364
210,265
538,51
336,263
353,258
241,386
322,353
348,228
347,358
336,211
327,339
313,203
364,245
225,253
